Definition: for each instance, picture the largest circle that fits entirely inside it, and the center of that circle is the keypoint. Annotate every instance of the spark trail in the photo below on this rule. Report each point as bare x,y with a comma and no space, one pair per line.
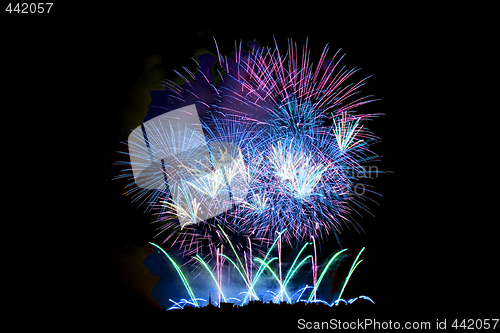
265,264
277,151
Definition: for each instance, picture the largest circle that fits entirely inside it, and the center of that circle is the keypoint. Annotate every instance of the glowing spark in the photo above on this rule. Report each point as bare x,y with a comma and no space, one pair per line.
345,132
353,267
178,269
262,262
197,257
323,273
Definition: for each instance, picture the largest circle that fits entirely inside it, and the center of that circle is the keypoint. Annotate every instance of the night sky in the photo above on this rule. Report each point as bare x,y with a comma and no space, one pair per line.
422,254
426,251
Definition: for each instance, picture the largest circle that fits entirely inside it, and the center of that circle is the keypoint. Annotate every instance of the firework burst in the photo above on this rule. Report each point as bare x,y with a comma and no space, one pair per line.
295,147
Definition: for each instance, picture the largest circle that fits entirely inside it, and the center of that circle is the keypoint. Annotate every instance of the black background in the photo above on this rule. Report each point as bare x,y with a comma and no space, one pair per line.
430,250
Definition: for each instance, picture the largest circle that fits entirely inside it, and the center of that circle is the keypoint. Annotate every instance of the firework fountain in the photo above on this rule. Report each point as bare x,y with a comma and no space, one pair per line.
271,159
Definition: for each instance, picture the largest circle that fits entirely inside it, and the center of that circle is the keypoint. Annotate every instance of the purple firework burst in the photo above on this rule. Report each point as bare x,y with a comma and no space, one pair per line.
302,145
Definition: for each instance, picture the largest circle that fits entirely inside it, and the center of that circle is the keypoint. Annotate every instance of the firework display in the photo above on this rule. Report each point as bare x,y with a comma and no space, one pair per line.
251,279
256,147
299,145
